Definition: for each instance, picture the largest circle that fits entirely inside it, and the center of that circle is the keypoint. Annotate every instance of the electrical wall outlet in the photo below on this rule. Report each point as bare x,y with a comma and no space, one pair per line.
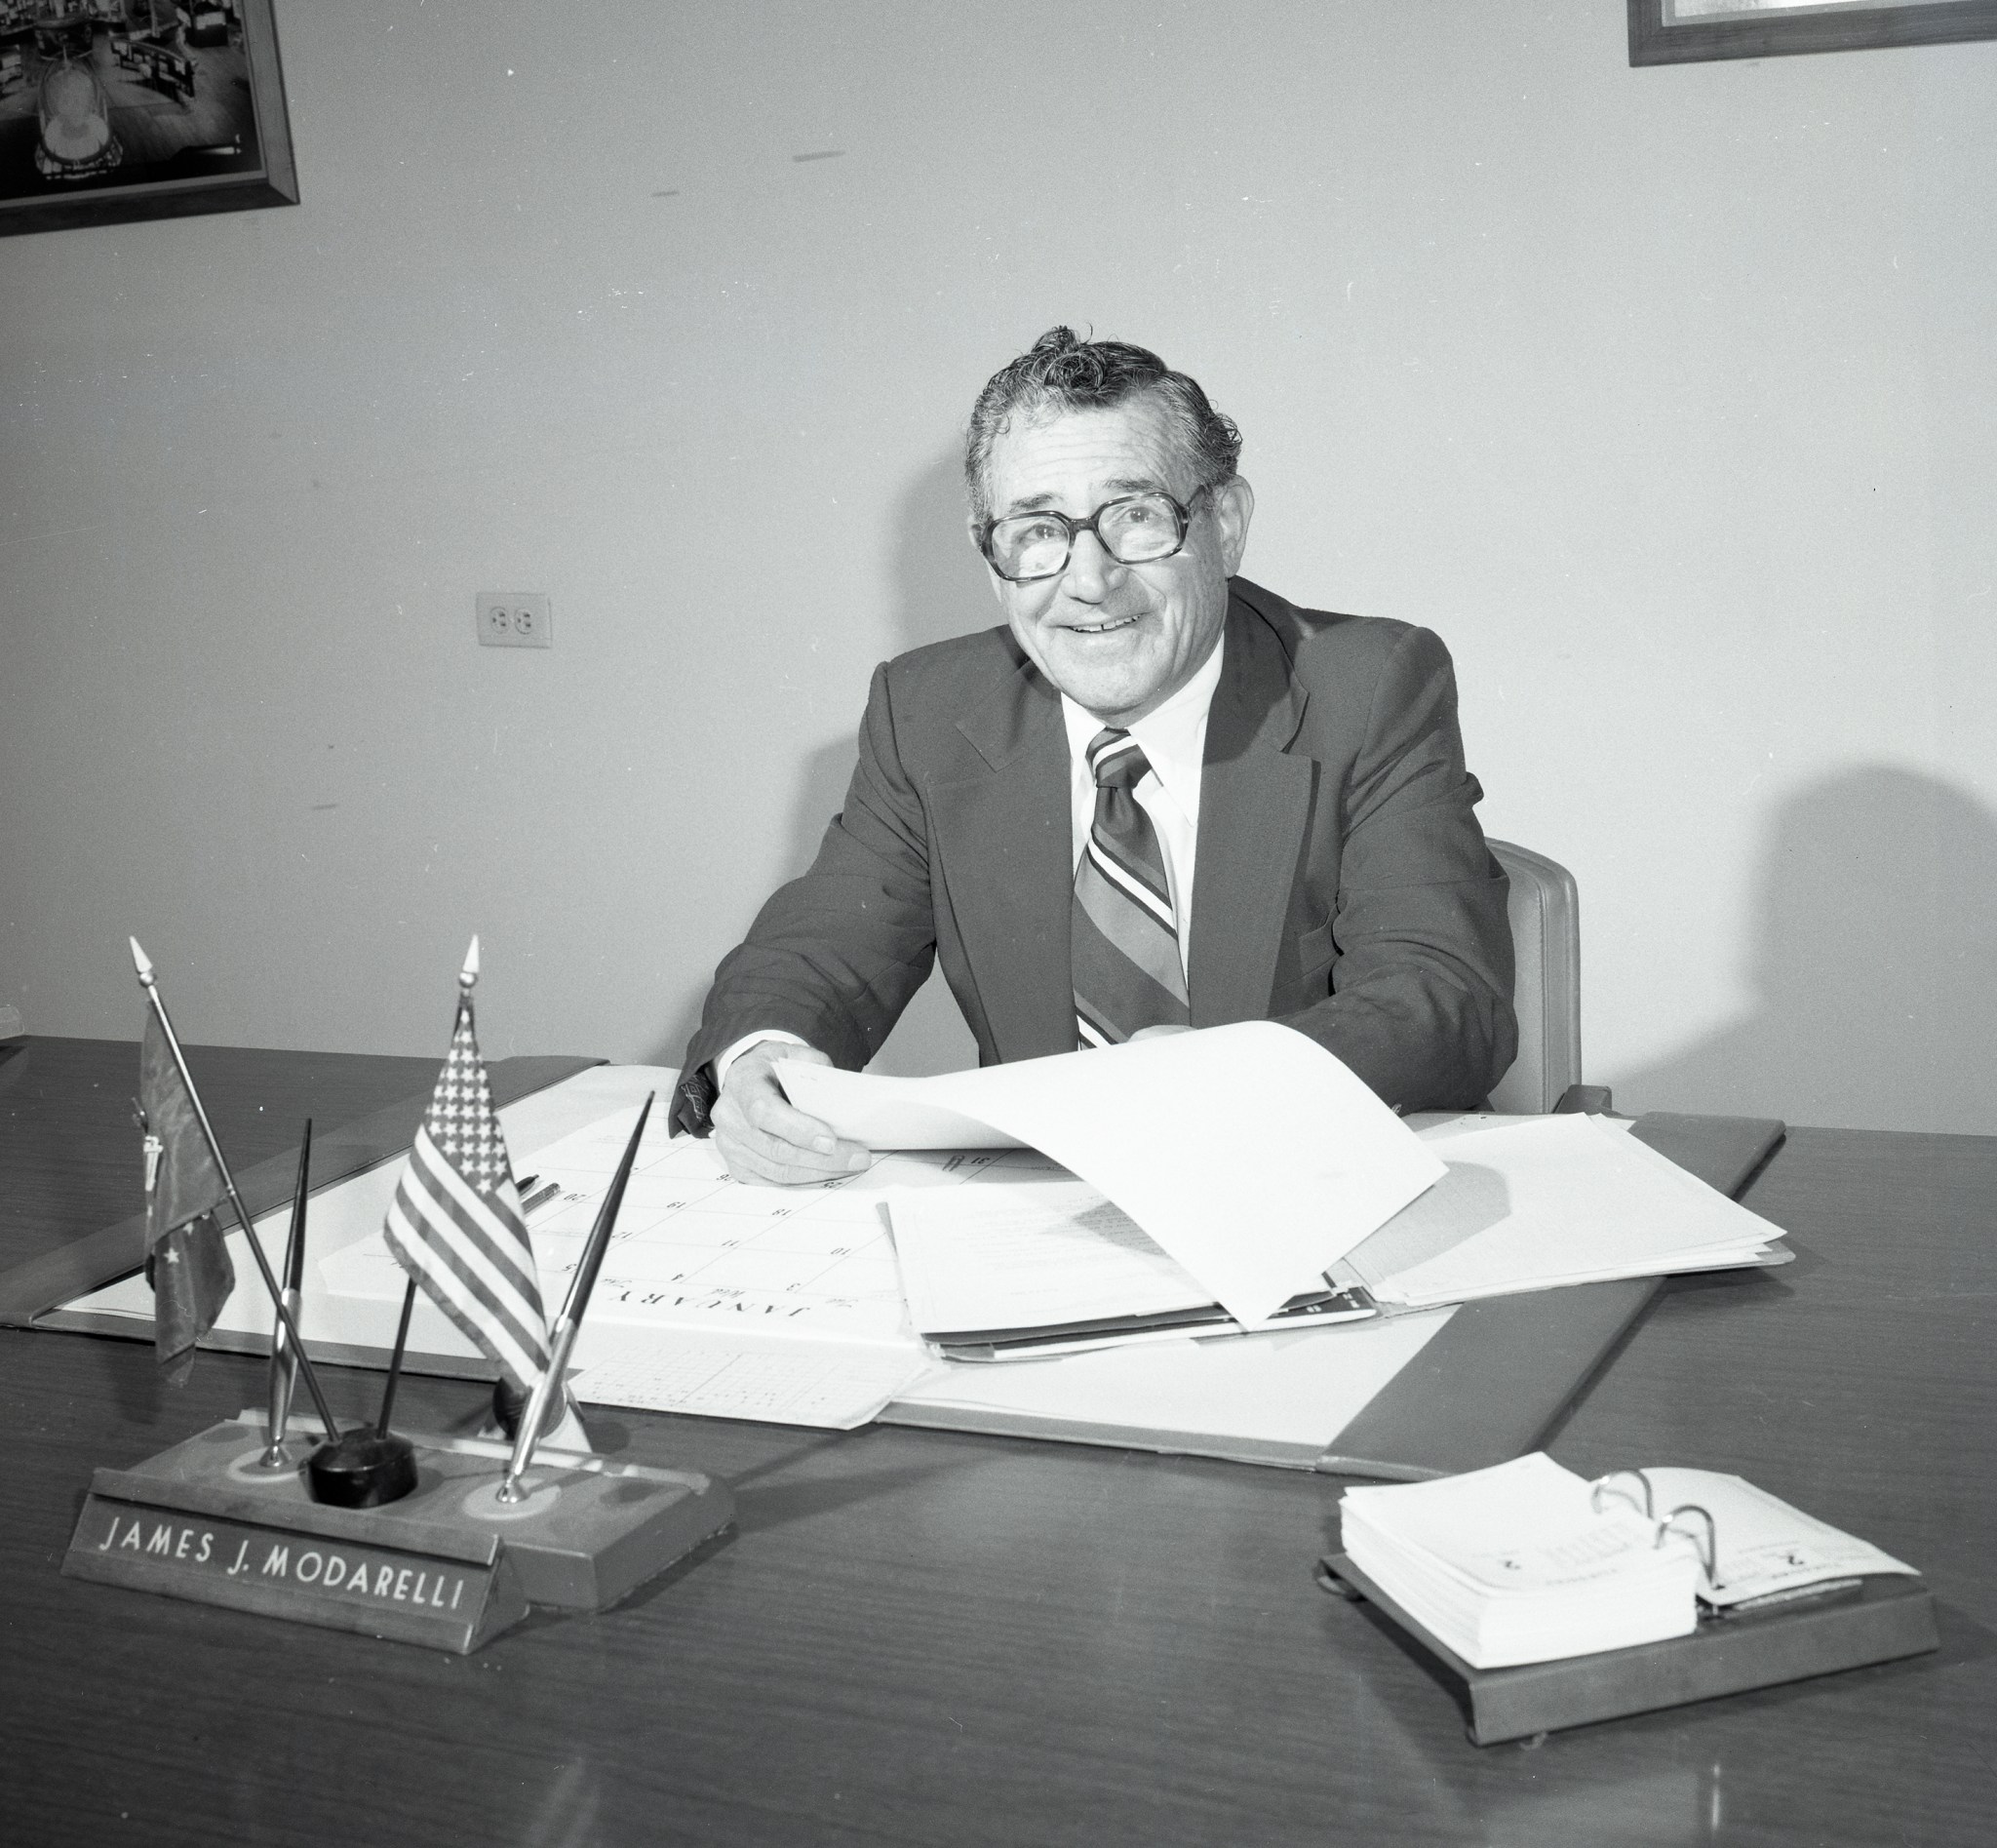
515,619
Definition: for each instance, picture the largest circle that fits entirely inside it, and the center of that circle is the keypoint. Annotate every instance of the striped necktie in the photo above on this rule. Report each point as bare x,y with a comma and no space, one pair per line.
1123,937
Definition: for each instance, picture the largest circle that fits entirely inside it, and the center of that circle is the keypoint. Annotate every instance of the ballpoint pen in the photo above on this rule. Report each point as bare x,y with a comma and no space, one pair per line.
563,1339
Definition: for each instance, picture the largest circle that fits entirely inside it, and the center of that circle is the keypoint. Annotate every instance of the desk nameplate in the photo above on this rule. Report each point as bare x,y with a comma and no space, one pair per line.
443,1591
449,1567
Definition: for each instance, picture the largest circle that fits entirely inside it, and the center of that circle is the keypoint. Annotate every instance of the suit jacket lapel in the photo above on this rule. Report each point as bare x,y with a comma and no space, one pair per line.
1254,805
1005,855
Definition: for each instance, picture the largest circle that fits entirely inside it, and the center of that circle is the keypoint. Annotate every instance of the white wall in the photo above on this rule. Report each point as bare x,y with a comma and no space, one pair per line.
1666,396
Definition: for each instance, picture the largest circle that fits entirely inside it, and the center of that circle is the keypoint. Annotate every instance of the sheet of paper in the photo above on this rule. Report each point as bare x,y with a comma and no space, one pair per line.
885,1112
1764,1544
836,1386
987,1256
695,1251
1247,1152
1444,1125
1295,1389
1547,1200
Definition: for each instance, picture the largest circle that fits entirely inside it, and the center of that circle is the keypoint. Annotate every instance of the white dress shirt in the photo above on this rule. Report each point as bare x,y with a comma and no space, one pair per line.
1174,743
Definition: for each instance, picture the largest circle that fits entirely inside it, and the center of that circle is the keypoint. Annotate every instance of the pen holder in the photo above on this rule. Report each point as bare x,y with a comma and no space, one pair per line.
448,1566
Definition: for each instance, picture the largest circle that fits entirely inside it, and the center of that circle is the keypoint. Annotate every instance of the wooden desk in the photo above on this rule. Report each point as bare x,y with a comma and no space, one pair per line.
925,1638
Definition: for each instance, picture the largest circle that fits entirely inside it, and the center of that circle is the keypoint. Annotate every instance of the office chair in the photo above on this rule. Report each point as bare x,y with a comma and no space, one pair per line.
1545,992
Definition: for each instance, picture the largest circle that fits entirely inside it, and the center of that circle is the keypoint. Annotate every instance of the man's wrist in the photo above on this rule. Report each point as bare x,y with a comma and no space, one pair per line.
727,1057
700,1087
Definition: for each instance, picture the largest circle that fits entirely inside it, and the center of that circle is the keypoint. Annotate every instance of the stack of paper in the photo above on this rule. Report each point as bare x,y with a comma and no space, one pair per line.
1549,1201
1514,1564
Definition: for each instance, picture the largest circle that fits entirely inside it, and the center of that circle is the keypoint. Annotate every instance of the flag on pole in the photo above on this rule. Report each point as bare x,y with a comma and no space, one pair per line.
455,1224
187,1255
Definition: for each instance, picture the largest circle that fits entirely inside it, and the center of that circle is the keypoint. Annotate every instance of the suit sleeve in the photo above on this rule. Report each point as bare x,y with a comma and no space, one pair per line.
836,954
1420,988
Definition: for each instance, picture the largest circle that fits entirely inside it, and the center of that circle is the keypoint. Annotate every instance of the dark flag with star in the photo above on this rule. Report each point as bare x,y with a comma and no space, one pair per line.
455,1224
186,1255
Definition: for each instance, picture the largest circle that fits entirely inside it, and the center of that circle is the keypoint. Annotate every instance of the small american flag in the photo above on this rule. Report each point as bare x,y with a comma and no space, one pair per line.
455,1224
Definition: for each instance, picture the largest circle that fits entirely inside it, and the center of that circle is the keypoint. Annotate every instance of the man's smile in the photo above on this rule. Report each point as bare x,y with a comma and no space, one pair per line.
1108,626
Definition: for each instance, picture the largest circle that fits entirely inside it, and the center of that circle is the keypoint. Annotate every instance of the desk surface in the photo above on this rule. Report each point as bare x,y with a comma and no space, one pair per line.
920,1637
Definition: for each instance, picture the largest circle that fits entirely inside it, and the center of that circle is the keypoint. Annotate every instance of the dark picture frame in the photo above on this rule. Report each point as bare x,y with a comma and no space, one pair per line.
118,110
1658,37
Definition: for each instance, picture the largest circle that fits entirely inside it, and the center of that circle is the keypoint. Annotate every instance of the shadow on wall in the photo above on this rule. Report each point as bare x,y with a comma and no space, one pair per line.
1875,969
941,585
940,590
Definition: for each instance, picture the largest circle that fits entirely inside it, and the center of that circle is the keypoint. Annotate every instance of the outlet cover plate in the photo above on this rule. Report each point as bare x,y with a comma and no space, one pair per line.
515,619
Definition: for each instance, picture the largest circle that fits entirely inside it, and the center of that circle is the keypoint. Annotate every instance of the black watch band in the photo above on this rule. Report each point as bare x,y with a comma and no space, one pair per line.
694,1102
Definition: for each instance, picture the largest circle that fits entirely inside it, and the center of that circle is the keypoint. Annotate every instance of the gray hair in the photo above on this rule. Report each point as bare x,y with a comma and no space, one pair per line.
1062,373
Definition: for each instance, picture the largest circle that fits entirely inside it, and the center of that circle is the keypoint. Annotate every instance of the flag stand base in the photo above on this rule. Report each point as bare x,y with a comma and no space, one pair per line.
449,1567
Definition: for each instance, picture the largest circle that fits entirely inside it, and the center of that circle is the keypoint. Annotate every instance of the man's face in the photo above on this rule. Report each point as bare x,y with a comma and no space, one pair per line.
1118,639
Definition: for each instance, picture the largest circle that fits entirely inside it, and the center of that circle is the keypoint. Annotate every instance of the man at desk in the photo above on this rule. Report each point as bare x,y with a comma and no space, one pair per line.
1158,796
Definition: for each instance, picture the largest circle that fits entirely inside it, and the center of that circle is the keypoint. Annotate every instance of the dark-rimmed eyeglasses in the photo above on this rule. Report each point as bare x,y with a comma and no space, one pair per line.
1133,528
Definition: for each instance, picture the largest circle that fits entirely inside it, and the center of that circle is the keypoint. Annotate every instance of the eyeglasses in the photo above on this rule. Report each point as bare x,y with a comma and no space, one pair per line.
1133,528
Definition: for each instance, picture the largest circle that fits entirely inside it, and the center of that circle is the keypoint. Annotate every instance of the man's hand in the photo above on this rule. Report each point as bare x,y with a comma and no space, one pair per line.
763,1138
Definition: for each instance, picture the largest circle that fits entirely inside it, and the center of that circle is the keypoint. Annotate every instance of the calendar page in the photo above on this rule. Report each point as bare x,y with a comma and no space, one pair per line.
694,1249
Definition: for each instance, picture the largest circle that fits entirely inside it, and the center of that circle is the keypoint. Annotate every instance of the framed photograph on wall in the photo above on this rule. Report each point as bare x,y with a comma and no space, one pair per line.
112,110
1691,31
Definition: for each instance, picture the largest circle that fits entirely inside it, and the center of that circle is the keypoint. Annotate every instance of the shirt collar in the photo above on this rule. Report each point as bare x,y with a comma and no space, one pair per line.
1173,737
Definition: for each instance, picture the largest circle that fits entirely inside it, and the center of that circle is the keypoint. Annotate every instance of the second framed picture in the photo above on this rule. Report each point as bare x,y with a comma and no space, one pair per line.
1693,31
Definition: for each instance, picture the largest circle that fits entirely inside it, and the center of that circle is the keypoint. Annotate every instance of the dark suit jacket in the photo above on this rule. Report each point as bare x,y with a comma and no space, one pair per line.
1342,885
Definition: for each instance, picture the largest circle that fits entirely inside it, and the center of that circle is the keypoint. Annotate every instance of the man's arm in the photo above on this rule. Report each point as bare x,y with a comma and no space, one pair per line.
1419,1002
835,956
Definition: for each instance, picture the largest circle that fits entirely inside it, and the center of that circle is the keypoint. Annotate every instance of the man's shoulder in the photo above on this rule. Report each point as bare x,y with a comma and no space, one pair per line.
934,686
1333,644
960,660
934,701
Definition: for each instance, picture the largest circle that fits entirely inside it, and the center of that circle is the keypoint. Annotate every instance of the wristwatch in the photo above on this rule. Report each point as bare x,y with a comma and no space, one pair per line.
694,1102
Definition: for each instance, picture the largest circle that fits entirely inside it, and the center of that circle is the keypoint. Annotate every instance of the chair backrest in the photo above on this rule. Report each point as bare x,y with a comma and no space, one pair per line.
1545,992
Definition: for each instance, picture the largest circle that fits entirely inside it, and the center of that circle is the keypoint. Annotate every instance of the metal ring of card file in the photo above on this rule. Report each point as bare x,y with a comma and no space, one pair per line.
1615,1484
1612,1484
1710,1553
